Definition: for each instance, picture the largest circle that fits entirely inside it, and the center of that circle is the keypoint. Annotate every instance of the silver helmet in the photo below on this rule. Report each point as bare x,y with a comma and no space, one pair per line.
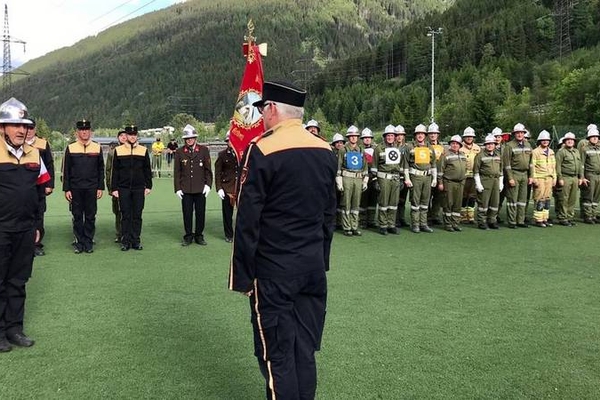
12,111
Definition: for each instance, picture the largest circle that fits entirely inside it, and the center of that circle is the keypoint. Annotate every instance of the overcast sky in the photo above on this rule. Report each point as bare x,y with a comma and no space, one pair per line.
48,25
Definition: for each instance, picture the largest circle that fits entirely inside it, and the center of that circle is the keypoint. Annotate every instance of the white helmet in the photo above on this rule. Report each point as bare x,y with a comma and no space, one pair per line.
561,140
544,135
189,132
497,131
420,129
399,130
227,135
593,132
519,128
527,134
352,131
366,133
337,138
389,129
468,132
457,139
569,135
12,111
490,139
314,124
433,128
591,126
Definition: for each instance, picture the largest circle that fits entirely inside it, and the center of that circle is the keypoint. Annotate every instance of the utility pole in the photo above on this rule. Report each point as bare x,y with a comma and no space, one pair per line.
6,66
432,32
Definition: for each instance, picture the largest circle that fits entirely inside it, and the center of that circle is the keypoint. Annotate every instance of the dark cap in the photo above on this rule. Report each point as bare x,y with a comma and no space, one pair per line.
32,124
282,92
120,131
84,124
131,130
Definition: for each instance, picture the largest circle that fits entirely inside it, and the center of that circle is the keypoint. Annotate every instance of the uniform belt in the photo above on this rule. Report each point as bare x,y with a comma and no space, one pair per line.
350,174
520,170
570,175
418,172
383,175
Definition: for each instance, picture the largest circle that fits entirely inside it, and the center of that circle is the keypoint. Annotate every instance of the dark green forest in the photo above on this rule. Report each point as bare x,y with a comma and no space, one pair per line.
496,63
187,58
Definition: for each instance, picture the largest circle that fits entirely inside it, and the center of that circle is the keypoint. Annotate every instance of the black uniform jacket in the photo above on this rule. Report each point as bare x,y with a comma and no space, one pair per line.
83,167
226,168
131,168
19,195
192,169
286,207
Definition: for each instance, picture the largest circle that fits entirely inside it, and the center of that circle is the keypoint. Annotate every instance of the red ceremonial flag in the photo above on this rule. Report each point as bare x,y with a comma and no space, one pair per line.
247,122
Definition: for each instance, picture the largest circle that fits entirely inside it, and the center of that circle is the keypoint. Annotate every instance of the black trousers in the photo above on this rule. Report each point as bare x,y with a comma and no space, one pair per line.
39,221
16,261
288,315
84,206
227,212
190,204
131,203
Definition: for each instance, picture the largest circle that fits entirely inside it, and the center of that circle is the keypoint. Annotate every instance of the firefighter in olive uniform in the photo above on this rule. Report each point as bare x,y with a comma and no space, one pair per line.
313,127
499,135
569,176
368,199
451,182
192,179
470,150
543,171
131,182
437,196
590,158
226,168
516,160
83,184
283,234
584,142
401,144
352,179
387,166
420,174
22,170
46,189
337,143
489,182
121,139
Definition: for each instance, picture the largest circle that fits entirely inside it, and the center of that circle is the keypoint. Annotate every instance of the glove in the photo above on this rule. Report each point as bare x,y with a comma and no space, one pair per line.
433,178
408,183
500,184
221,194
478,185
365,183
339,182
206,190
179,194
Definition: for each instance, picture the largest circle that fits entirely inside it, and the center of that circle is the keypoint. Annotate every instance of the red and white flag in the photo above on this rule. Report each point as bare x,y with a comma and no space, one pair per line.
247,122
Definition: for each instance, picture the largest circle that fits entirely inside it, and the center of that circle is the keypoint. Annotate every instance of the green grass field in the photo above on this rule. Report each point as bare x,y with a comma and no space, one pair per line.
506,314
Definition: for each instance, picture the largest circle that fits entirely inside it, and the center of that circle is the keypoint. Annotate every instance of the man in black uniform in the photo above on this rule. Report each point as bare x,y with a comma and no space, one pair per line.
284,227
226,168
45,190
131,181
83,183
21,171
192,181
